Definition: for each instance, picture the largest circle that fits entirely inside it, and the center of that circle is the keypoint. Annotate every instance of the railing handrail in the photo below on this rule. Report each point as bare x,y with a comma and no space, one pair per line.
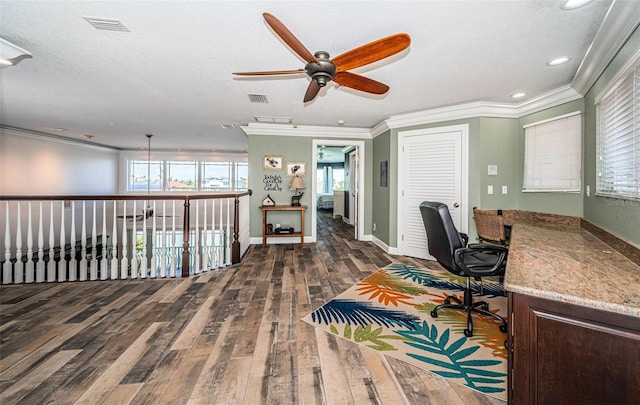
112,197
37,239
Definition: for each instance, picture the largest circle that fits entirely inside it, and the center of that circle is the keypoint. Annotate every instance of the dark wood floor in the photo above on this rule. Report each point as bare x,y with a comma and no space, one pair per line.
233,336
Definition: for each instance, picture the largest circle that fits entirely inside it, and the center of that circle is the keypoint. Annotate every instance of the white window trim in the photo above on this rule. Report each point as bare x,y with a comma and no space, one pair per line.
532,188
625,72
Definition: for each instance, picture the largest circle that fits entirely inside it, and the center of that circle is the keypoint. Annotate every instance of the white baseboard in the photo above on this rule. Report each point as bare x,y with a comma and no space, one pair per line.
281,240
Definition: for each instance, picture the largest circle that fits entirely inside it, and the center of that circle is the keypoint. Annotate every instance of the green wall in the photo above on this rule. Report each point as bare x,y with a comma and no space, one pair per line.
381,196
292,149
620,217
551,203
497,145
492,141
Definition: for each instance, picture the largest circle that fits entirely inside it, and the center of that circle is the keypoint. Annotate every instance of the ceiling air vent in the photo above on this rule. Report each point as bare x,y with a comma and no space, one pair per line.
107,24
258,98
276,120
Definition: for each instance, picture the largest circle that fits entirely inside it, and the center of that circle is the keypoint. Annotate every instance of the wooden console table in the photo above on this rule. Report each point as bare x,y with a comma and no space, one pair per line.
294,208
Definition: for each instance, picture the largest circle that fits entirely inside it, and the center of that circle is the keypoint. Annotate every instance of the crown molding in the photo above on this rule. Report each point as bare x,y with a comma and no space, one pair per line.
616,28
43,136
307,131
479,109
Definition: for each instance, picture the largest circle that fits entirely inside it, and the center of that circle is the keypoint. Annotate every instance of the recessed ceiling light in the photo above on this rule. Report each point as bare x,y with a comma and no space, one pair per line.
88,136
518,95
228,126
571,4
559,61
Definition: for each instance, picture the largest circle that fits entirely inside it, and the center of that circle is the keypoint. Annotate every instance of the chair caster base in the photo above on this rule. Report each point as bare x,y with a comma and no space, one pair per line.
434,314
468,333
503,328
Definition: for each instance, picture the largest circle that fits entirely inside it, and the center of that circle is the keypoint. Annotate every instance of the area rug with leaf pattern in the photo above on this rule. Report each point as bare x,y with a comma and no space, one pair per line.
389,311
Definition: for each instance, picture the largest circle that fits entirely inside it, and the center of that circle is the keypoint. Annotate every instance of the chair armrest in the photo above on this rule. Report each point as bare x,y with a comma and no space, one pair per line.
488,247
479,268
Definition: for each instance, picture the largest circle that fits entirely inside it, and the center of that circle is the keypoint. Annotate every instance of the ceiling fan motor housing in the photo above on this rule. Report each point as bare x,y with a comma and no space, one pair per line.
324,72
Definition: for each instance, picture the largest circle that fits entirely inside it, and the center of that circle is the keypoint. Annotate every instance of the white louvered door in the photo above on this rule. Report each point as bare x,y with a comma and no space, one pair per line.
431,168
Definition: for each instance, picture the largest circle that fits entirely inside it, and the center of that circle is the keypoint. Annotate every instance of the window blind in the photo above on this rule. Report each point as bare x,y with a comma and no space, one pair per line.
617,132
552,160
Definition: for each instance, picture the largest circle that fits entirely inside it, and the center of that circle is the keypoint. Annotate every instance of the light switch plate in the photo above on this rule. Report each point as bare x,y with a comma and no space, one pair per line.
489,189
504,189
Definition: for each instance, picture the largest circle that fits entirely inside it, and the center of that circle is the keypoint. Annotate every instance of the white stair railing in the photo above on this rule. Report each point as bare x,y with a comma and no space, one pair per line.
107,238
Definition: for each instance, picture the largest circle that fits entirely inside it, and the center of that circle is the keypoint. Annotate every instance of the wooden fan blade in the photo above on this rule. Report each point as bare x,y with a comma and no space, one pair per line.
289,39
312,91
371,52
271,72
360,83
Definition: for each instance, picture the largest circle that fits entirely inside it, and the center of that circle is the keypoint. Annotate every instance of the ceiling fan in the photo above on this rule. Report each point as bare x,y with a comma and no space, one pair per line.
322,69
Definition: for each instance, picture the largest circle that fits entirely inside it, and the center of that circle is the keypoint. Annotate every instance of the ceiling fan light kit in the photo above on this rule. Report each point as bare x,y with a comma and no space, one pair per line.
322,69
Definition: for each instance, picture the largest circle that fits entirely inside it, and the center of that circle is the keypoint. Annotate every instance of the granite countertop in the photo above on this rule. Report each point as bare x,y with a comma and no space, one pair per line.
573,266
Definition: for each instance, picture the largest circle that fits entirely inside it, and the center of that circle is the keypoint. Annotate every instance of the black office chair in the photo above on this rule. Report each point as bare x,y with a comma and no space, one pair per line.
450,249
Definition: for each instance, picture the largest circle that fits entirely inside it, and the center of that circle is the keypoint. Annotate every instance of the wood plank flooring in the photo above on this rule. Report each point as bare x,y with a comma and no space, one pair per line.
233,336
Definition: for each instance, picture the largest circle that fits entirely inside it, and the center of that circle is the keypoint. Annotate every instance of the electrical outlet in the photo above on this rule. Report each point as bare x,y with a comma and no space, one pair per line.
489,189
504,189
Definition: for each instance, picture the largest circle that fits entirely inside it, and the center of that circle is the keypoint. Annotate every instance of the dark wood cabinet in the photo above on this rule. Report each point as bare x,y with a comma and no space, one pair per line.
568,354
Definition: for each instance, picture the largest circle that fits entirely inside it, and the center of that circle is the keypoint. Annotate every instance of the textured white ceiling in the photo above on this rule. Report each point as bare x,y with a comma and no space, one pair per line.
171,74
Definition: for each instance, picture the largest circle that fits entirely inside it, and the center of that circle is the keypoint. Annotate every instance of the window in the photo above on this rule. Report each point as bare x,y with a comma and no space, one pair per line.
138,173
330,178
216,176
552,155
618,139
181,176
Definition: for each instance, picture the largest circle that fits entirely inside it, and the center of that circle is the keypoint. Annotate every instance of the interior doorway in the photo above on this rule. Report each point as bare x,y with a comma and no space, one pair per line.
352,194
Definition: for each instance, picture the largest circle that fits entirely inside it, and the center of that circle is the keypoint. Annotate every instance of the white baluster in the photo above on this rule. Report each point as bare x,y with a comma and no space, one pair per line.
173,249
153,242
83,244
6,267
94,249
221,233
104,242
214,249
124,264
30,266
196,242
205,243
143,258
163,243
114,242
40,264
134,244
62,264
19,266
73,263
51,264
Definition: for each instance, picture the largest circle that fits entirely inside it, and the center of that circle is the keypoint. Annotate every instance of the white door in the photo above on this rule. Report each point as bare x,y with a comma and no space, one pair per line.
432,166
